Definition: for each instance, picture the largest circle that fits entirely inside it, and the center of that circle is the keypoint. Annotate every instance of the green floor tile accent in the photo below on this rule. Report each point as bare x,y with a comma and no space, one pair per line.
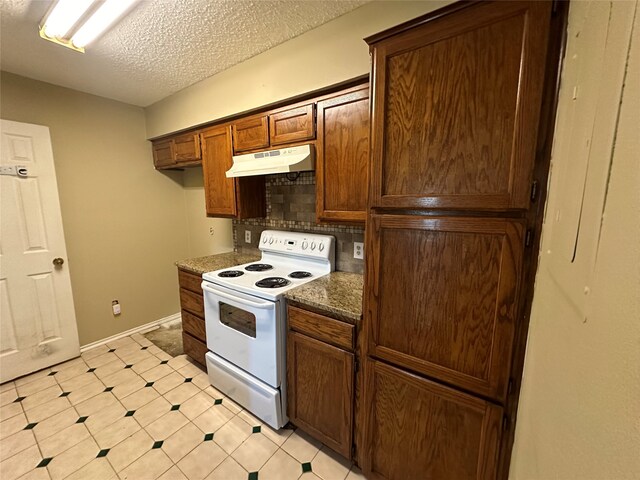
52,373
108,389
64,394
45,461
128,366
208,437
130,413
306,467
253,476
103,453
187,380
175,407
30,426
91,370
19,399
157,444
149,384
81,419
256,429
217,401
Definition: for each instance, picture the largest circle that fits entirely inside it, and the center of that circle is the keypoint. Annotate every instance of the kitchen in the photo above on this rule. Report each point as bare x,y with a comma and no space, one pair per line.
141,221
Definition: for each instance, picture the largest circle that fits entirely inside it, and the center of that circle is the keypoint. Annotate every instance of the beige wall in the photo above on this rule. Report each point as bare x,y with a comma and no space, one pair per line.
579,416
124,223
326,55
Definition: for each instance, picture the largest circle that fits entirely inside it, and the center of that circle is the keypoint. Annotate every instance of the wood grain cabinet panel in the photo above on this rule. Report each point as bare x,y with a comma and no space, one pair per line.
190,281
228,197
292,125
187,148
320,390
220,192
456,109
194,348
163,153
321,328
250,134
416,428
442,299
192,302
194,326
343,157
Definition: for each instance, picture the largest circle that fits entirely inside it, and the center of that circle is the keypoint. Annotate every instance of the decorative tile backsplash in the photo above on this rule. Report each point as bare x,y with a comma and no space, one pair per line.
291,205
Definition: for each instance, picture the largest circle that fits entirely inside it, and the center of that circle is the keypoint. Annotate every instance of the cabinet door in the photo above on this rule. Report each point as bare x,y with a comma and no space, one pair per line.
442,297
320,391
343,158
293,125
220,195
456,108
250,133
187,148
163,155
418,429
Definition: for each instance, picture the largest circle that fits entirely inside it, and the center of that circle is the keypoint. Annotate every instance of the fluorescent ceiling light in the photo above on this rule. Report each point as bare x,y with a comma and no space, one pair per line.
76,23
102,19
64,16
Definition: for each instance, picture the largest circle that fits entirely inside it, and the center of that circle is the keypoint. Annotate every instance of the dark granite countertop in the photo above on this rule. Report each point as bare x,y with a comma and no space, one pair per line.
338,295
209,263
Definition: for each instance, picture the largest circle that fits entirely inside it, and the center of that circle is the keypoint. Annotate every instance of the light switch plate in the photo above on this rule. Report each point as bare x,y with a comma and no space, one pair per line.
247,236
358,250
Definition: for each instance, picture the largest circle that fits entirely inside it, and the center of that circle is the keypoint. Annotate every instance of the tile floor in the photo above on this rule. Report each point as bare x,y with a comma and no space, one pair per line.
129,410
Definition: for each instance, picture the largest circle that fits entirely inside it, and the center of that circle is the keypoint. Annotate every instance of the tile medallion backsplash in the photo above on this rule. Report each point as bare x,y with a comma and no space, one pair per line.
291,205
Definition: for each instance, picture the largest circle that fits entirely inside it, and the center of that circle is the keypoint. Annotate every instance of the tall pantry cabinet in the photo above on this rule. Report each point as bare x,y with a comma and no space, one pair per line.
458,109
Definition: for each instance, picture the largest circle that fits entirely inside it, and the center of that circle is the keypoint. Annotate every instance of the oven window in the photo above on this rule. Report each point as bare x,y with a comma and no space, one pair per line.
238,319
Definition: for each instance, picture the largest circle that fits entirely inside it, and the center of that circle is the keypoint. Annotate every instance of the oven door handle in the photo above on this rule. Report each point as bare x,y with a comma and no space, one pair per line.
244,301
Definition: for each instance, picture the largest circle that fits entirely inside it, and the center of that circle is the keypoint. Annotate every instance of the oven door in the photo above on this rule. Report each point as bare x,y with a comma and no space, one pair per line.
243,330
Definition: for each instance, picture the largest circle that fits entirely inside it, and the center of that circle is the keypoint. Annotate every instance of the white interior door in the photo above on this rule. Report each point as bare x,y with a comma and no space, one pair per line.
37,319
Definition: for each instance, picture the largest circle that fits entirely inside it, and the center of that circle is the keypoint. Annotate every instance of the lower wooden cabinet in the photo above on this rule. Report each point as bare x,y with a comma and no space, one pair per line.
194,337
419,429
320,388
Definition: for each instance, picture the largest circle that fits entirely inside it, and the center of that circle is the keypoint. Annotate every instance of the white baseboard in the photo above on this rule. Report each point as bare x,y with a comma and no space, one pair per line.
176,317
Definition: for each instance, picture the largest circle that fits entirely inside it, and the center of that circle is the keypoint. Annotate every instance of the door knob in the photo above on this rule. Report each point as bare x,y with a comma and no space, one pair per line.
58,261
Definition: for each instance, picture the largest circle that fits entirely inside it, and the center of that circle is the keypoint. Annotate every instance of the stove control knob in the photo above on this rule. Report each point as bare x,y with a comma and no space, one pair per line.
271,241
313,245
321,247
264,239
304,245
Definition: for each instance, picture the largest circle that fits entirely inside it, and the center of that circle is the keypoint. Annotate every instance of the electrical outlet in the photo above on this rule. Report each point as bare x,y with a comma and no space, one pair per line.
247,236
115,307
358,250
211,231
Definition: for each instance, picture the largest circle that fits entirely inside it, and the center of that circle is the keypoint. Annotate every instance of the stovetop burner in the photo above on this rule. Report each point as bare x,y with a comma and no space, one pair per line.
299,274
258,267
231,273
272,282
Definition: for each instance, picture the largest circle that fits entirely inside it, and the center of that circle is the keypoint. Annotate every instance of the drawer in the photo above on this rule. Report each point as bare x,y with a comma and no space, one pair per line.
321,328
293,125
194,326
192,302
190,281
194,348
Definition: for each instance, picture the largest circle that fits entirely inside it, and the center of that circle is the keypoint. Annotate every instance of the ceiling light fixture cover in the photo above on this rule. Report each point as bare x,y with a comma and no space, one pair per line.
76,23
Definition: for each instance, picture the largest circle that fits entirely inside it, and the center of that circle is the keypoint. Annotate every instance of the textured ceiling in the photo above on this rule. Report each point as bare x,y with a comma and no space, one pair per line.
161,47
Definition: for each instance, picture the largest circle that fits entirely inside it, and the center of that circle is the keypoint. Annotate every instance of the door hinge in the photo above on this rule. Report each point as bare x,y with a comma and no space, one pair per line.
353,451
505,423
534,191
510,386
528,238
356,365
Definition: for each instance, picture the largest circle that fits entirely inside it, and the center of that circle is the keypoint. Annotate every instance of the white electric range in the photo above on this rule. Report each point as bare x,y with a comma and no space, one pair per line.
245,319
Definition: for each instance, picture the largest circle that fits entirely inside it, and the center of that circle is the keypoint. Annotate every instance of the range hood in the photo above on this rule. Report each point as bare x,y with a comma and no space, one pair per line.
291,159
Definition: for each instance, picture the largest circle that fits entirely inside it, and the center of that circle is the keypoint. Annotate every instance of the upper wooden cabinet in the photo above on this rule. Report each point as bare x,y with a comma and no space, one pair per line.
292,125
342,159
442,297
456,108
250,133
178,151
419,429
281,127
228,197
